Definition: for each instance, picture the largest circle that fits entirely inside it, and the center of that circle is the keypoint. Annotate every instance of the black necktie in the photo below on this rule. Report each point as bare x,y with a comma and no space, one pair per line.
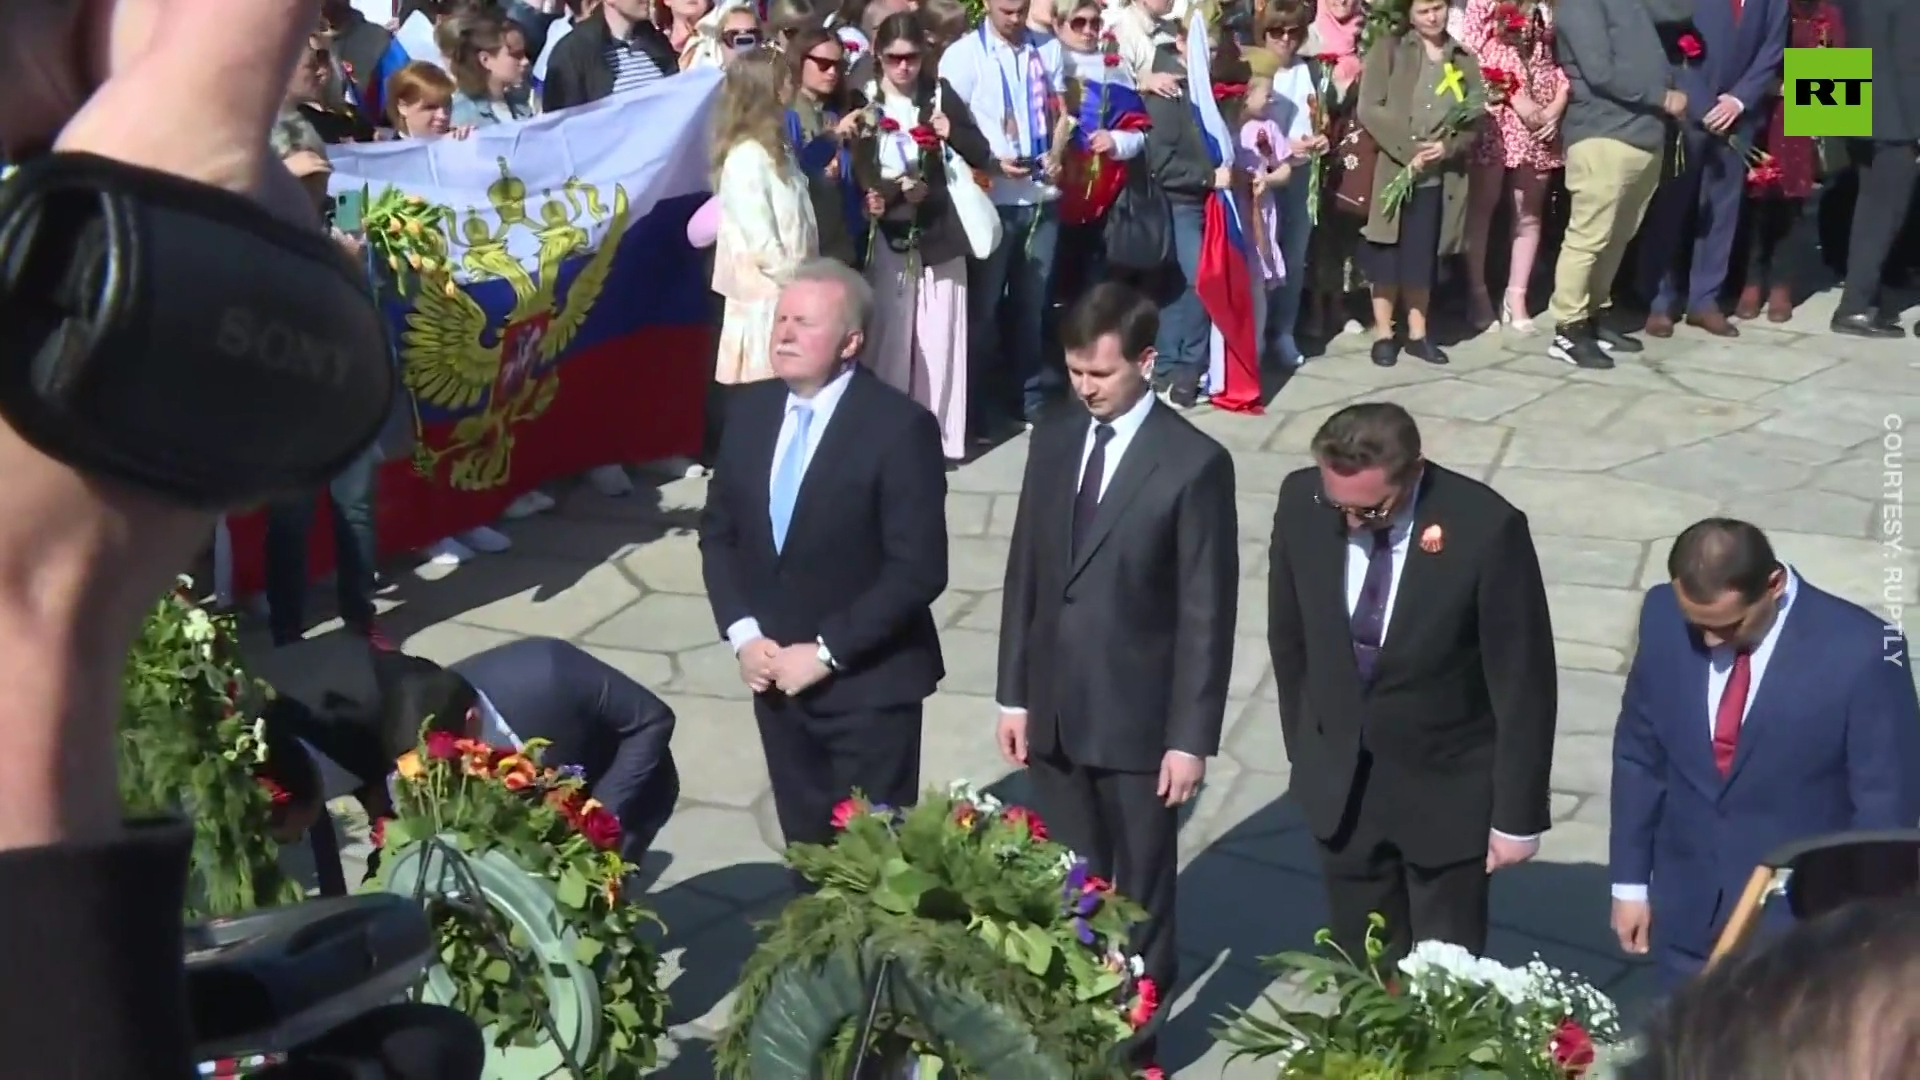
1087,503
1370,611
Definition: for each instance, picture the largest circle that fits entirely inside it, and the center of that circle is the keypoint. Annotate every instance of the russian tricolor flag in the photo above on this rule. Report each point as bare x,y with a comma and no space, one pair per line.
1085,195
575,332
1224,282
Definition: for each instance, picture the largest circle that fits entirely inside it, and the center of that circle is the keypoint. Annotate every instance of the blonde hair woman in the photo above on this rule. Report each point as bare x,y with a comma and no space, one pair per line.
766,216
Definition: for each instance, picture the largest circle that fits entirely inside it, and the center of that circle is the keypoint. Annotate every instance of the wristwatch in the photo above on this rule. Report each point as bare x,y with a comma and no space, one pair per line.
825,655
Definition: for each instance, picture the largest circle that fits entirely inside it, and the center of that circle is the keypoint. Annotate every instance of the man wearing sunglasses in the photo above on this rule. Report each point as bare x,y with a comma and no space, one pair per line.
1414,659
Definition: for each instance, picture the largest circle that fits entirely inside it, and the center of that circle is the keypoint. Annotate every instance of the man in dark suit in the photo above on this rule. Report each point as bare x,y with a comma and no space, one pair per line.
1886,162
1414,659
1116,631
1758,710
824,546
1745,41
592,716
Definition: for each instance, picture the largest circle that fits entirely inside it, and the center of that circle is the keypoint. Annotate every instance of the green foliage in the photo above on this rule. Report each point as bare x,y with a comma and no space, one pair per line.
492,800
1444,1015
190,740
972,903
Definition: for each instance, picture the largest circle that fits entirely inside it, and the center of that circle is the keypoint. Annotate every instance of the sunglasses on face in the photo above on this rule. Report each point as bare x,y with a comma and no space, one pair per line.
1359,513
742,39
824,63
901,58
1298,33
1084,24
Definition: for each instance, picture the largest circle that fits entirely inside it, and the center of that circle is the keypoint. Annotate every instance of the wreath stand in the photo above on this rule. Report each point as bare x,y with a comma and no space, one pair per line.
493,890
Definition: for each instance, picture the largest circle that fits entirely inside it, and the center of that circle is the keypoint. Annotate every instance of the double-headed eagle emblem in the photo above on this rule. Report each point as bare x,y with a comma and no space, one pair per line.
454,358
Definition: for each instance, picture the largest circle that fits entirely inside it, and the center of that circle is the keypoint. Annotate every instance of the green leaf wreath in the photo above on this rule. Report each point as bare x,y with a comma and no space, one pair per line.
516,827
1004,954
190,743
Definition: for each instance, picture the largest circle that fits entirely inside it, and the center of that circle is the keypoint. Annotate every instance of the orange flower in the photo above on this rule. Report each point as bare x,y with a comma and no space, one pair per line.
477,763
409,766
1432,539
514,781
515,767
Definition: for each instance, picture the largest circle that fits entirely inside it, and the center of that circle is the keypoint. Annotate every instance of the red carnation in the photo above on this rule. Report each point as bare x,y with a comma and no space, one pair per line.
1572,1048
1690,47
889,125
1110,59
276,794
378,835
1229,91
1328,58
443,745
844,811
1020,815
600,828
1146,1002
1096,884
925,138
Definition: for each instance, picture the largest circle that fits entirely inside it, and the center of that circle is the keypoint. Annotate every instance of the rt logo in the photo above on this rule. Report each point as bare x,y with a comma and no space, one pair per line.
1829,92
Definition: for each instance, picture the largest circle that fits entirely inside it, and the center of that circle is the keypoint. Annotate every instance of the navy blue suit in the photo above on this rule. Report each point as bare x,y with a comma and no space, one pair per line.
1831,742
1743,59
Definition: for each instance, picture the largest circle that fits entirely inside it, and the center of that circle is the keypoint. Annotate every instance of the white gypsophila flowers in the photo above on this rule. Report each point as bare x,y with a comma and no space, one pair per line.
199,626
1439,965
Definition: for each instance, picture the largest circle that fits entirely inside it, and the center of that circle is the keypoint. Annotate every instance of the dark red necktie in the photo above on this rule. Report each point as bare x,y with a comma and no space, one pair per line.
1730,712
1738,8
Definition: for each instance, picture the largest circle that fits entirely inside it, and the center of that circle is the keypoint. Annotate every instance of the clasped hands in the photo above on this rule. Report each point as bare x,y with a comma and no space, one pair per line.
790,669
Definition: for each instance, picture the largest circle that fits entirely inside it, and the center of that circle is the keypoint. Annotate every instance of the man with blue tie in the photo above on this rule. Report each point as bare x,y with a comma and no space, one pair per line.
824,546
1758,710
1744,43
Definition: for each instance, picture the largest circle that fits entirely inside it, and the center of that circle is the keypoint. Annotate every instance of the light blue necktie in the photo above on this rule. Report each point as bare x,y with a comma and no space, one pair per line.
787,476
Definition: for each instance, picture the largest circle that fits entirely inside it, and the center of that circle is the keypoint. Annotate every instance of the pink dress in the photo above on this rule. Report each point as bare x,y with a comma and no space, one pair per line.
1265,261
1505,139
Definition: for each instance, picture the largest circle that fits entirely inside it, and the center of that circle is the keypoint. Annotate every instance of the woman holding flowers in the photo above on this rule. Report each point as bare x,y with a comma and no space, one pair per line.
917,254
1111,130
1333,41
823,128
1519,146
1417,99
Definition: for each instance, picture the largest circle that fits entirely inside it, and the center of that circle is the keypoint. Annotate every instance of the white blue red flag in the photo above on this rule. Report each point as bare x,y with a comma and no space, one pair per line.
1224,280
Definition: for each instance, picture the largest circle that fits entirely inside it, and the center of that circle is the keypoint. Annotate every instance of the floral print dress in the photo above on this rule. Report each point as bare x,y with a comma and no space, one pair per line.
1517,39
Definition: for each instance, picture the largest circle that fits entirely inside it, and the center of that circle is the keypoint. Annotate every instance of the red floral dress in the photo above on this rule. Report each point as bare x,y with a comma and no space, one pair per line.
1527,55
1814,25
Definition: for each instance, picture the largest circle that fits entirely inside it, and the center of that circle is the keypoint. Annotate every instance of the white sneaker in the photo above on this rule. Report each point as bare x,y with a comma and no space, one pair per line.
486,539
611,481
448,552
529,504
677,467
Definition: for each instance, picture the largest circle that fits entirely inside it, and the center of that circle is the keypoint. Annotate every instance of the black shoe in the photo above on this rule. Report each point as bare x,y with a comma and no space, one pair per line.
1577,344
1614,341
1385,353
1425,349
1865,324
1183,391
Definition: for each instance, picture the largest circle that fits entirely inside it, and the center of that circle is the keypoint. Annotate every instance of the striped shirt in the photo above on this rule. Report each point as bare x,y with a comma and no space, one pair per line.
631,67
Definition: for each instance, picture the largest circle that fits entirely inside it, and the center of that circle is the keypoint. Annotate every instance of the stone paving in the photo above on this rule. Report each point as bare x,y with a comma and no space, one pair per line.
1792,428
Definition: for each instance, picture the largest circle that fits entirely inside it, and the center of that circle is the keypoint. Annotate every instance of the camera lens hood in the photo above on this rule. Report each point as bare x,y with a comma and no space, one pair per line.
180,338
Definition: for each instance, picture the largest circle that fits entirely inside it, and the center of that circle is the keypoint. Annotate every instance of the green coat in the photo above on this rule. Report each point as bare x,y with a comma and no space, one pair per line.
1389,83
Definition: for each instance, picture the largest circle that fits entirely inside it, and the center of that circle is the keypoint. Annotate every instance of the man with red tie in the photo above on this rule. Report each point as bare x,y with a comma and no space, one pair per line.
1758,710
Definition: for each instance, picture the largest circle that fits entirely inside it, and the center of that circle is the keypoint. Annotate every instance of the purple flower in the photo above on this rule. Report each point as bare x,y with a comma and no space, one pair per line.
1084,932
1085,904
1076,882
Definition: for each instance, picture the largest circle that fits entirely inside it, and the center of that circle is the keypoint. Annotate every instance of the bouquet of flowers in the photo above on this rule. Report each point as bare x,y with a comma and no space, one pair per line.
407,241
191,742
1510,22
998,947
1443,1012
481,799
1465,112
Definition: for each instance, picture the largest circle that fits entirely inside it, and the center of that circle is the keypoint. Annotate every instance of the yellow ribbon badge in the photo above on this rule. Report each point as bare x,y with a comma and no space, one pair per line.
1452,81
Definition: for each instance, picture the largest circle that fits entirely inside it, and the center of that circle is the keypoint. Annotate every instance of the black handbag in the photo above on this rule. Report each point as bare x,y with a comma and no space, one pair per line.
1139,226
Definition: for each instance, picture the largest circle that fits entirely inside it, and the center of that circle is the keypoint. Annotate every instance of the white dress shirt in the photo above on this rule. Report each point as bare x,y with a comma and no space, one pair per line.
824,403
1719,669
975,67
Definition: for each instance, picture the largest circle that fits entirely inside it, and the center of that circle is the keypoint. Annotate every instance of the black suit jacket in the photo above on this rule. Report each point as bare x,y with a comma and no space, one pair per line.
866,550
614,729
1459,720
1892,28
1123,653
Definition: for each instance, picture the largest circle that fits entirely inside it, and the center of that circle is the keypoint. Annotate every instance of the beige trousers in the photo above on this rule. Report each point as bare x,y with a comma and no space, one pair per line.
1609,185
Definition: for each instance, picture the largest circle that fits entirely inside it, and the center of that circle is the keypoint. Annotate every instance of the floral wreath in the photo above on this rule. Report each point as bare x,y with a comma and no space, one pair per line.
1003,955
505,813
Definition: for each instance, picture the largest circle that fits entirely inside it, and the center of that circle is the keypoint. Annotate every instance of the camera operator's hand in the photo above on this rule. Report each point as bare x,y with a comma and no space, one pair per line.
82,560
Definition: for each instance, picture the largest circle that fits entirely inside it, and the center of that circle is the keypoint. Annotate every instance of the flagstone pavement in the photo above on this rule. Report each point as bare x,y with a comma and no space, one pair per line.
1794,429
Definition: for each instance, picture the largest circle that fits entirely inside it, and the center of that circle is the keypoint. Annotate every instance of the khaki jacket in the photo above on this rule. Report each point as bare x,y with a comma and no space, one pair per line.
1388,84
